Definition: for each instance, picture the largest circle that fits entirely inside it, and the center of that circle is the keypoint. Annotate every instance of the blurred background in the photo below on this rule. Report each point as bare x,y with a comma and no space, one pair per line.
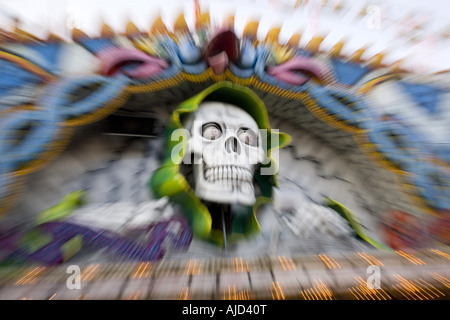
87,89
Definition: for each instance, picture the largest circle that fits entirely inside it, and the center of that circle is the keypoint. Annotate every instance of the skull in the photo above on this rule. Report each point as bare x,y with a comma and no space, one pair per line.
225,142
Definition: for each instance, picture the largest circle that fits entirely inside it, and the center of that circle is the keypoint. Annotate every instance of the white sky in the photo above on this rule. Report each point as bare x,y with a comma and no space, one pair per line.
426,53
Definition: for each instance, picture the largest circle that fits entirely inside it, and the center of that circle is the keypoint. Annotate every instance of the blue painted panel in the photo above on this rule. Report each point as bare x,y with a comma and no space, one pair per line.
348,73
13,76
426,96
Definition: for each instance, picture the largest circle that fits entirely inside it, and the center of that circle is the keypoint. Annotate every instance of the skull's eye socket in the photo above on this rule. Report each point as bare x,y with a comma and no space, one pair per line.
248,137
211,131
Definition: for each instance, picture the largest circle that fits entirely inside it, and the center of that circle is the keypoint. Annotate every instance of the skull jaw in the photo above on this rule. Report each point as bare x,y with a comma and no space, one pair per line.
243,194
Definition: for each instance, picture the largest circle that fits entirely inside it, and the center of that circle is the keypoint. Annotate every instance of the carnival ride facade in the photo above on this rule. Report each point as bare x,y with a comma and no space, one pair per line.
91,174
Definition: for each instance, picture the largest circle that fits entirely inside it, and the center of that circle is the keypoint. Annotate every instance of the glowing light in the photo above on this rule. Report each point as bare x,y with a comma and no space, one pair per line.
416,289
325,261
278,291
282,263
148,271
193,268
145,267
189,267
318,292
292,264
440,253
369,258
136,295
410,257
184,294
331,263
362,292
29,274
33,277
441,279
86,271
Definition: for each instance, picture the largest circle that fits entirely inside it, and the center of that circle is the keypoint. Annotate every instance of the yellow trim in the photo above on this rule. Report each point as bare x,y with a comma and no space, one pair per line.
150,87
366,87
18,108
304,97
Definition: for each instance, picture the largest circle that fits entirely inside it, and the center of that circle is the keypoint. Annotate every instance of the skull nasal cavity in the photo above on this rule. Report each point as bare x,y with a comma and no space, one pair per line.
232,145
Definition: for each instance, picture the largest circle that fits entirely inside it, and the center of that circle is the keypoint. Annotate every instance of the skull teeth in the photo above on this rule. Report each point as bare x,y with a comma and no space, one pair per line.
229,173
